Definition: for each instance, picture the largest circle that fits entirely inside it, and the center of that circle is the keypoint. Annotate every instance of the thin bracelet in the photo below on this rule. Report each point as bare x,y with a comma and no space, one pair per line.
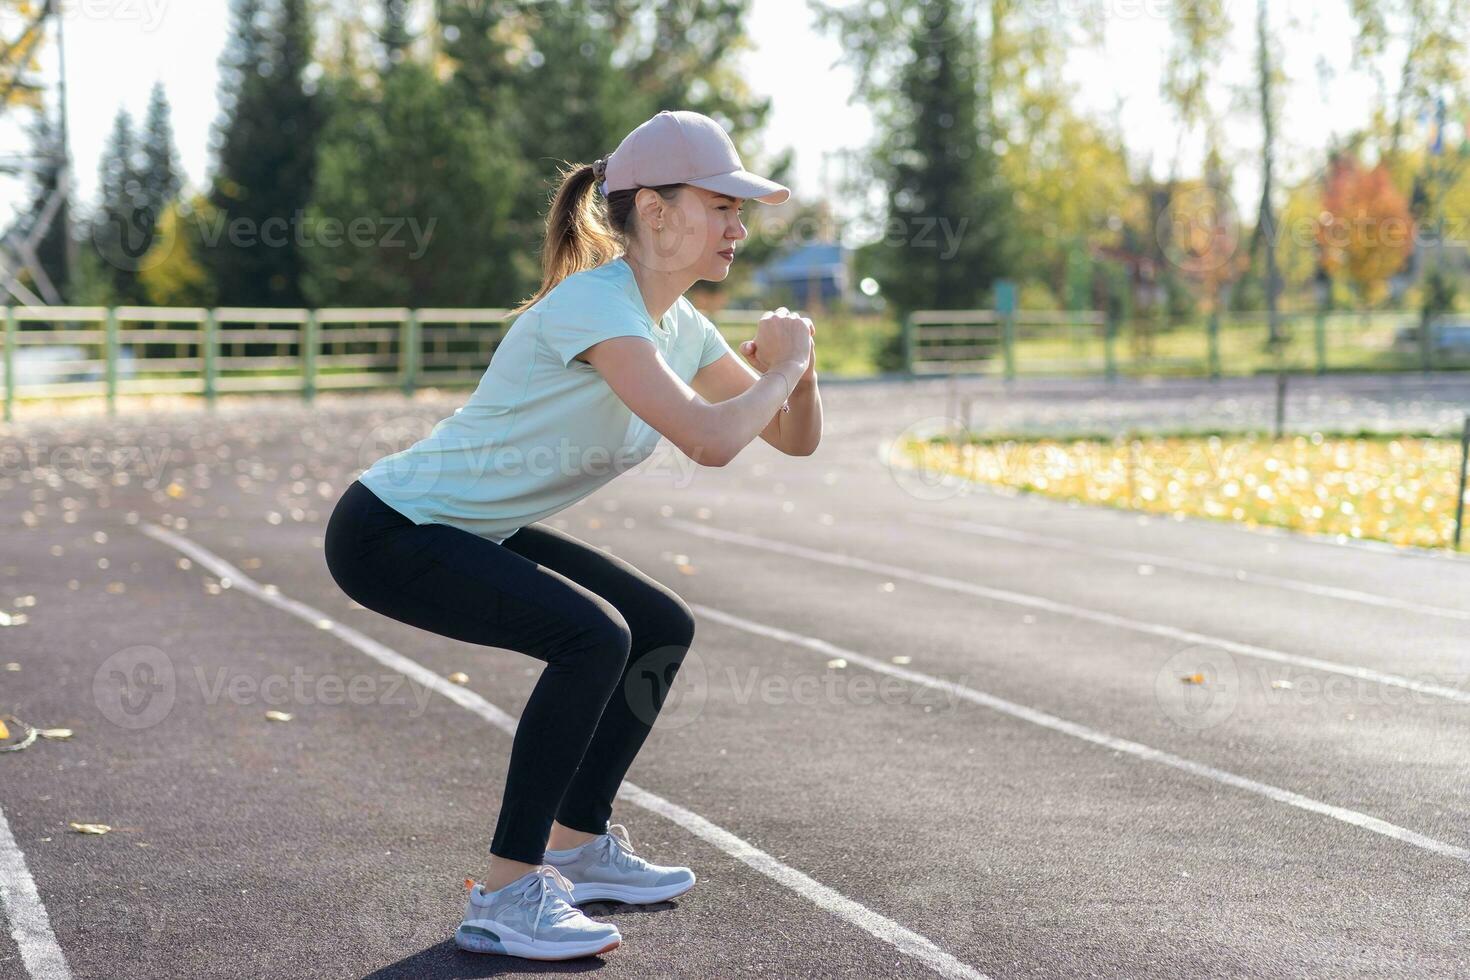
786,405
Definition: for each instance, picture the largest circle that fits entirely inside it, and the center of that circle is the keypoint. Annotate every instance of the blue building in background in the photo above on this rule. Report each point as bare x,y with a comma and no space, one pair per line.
811,274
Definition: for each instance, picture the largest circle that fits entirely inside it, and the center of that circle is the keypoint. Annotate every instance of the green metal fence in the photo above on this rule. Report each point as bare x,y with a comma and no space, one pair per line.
1008,344
105,352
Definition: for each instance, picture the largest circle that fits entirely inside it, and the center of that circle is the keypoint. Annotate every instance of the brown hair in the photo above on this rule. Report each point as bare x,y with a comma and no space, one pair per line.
583,232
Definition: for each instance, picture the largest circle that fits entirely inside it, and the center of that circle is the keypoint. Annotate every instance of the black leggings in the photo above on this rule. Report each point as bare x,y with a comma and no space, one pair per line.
600,624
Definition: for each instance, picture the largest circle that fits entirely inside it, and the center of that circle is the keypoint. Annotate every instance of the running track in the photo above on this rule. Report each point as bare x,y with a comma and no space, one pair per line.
1006,779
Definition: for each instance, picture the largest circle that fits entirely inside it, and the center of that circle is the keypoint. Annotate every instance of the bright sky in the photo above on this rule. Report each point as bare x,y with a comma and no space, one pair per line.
117,48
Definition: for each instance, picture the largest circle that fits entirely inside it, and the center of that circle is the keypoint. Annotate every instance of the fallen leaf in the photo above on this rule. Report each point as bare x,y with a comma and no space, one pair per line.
459,677
56,733
274,715
1193,679
837,663
12,619
89,828
25,741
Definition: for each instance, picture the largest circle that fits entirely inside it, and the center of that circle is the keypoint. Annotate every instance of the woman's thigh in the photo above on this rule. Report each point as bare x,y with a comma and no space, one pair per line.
460,585
645,603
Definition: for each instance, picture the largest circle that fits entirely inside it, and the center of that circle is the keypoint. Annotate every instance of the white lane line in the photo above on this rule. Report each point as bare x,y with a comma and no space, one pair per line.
1067,609
871,922
1185,565
825,649
30,927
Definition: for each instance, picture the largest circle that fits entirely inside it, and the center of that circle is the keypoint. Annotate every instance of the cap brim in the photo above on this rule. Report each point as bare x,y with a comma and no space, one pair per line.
744,184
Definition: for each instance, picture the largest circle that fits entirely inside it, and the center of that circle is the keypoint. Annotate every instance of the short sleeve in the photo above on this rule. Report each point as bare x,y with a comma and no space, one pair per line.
715,344
585,313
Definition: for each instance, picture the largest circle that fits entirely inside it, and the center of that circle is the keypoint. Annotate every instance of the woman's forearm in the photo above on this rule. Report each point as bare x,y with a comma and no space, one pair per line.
737,421
801,428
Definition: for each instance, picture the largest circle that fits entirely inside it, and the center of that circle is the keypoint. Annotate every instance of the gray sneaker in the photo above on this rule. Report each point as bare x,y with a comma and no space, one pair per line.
607,868
531,917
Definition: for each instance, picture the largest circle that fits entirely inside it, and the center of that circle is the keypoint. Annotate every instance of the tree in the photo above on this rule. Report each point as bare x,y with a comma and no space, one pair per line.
22,33
160,178
434,181
1366,231
266,157
581,74
122,232
919,66
174,276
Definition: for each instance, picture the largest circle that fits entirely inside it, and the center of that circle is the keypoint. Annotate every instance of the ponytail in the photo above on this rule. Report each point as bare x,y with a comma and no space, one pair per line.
583,232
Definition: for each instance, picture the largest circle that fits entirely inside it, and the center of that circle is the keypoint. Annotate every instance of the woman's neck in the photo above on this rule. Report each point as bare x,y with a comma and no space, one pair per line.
661,290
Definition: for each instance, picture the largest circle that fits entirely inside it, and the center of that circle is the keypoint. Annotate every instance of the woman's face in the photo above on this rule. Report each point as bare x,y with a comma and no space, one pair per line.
697,227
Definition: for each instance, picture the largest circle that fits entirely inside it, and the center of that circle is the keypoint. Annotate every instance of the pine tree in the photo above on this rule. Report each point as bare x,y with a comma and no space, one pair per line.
436,184
122,226
160,175
266,157
942,184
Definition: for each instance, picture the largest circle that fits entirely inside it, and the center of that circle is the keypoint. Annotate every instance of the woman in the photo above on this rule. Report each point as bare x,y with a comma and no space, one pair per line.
606,357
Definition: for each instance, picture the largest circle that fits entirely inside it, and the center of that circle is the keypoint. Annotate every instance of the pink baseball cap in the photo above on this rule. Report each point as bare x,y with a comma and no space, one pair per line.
683,147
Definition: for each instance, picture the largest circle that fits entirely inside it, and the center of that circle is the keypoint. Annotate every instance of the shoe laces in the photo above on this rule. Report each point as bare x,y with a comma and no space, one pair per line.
617,847
548,886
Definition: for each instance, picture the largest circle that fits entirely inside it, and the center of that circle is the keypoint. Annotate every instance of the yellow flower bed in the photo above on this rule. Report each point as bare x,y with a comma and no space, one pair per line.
1400,490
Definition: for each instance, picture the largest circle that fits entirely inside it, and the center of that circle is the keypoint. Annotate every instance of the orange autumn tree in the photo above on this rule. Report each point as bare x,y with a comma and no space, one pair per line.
1365,229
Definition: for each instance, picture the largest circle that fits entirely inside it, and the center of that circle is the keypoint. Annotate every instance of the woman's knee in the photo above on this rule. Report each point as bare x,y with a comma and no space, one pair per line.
602,643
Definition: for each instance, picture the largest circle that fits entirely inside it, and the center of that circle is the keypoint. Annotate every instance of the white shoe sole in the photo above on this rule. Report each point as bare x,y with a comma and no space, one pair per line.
482,939
593,892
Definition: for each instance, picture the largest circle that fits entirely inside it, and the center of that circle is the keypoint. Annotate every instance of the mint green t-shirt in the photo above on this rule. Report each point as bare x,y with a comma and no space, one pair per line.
543,430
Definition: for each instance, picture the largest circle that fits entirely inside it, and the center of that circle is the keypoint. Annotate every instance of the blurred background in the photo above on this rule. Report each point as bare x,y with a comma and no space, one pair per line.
1177,187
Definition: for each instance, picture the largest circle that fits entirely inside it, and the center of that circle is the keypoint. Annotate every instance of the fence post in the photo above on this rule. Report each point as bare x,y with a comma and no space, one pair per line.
906,342
408,352
1110,353
1426,342
11,333
1005,305
1280,402
111,354
308,356
210,345
1320,327
1460,501
1213,331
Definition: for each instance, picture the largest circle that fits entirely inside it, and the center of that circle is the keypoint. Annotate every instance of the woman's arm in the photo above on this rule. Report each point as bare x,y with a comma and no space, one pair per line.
795,432
709,434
